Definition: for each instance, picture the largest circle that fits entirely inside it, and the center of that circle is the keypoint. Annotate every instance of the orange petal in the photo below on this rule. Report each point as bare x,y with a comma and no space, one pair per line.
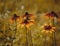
43,31
27,25
50,31
22,25
46,31
10,21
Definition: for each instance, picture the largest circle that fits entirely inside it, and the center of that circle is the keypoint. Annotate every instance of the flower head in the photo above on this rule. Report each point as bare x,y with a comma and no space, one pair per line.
27,20
51,15
48,28
15,18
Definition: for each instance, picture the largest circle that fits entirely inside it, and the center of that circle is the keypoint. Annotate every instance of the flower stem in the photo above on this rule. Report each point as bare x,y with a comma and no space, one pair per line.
28,38
54,38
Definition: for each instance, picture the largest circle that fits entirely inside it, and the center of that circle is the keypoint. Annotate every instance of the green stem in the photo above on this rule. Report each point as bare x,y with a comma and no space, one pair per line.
28,38
54,38
14,32
45,40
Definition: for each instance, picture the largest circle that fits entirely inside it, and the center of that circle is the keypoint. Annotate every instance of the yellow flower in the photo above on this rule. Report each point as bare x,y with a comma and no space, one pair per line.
48,28
27,20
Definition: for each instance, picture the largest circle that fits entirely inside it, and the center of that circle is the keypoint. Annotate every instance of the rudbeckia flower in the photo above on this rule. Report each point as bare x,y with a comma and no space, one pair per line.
27,20
15,18
51,15
48,28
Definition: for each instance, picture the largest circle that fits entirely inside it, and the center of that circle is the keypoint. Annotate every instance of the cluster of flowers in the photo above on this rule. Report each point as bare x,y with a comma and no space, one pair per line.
25,21
28,19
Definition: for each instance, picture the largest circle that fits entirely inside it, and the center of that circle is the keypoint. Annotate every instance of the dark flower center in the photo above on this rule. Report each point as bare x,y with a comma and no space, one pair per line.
47,27
8,45
26,14
26,21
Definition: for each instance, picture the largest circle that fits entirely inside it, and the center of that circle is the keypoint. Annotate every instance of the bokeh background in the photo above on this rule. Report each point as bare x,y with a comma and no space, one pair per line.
35,7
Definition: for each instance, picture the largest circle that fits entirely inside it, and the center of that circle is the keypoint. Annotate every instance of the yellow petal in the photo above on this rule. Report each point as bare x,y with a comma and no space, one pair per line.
50,31
43,31
47,31
27,25
22,25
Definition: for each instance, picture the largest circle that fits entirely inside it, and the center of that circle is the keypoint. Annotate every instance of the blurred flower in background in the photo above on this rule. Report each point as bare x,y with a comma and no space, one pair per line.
51,15
15,18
